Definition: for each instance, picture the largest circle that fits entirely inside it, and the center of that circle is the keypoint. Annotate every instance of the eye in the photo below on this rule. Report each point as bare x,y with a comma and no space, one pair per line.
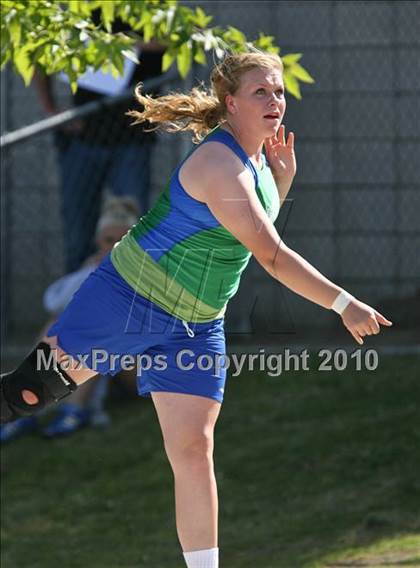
280,92
260,91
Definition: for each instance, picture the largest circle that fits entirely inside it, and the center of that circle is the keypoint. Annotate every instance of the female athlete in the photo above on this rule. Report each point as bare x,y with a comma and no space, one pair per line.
164,289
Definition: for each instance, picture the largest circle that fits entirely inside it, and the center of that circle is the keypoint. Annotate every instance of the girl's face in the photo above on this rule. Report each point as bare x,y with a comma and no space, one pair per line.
259,102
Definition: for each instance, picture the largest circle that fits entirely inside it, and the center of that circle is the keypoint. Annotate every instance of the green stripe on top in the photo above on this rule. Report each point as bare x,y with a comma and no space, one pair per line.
151,280
180,257
203,264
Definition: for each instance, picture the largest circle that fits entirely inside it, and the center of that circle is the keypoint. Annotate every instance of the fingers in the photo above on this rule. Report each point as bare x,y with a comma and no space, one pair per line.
374,326
268,143
277,138
281,134
382,319
272,141
362,330
280,138
370,327
356,336
359,333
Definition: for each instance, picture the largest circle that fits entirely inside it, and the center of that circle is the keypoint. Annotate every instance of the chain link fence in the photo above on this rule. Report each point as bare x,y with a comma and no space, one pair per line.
354,208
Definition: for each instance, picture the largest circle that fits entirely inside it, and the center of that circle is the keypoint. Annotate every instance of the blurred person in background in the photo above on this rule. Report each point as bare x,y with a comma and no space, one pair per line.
85,406
100,150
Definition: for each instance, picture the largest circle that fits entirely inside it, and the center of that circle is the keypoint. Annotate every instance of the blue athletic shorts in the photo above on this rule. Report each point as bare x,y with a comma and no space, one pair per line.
109,327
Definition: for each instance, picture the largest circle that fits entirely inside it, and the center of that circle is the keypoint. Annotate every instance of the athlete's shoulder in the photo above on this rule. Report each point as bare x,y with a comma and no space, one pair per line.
214,160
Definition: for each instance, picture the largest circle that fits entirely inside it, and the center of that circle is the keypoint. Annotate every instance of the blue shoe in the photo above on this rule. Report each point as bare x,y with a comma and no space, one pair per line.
70,418
18,428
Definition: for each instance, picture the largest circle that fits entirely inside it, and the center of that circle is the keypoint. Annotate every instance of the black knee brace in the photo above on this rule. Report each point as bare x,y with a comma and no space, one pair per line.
40,374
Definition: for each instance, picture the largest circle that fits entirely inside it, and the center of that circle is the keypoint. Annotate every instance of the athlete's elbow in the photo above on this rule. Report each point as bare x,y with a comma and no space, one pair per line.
273,260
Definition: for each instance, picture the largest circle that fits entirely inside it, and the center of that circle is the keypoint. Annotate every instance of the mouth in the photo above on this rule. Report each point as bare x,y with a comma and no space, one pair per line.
272,116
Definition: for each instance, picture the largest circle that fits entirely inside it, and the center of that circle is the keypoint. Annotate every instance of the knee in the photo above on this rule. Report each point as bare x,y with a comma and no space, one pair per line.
192,453
36,383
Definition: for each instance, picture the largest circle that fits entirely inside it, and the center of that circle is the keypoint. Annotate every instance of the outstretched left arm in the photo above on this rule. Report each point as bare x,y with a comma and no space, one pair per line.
282,160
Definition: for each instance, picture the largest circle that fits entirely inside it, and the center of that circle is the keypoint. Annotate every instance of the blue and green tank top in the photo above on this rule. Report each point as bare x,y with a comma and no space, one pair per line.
180,257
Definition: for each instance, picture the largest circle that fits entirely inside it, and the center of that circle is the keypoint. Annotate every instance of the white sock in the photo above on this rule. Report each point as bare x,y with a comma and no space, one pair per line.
202,558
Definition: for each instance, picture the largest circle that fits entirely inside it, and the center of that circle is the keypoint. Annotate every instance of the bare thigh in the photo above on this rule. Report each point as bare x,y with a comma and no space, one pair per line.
75,370
187,422
78,372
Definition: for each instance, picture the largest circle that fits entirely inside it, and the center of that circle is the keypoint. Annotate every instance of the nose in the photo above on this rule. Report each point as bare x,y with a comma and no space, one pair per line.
274,100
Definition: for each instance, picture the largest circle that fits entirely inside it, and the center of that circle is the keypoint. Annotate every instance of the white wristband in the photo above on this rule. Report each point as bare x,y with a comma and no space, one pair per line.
341,302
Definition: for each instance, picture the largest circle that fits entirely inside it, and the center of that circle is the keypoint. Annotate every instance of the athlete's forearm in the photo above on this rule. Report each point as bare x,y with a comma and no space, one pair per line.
300,276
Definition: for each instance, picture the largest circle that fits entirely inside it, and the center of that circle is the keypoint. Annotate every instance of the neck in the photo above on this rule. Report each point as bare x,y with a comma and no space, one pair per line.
251,146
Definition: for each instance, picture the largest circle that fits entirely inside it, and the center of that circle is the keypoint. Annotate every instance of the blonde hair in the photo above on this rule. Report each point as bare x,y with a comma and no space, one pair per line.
201,110
118,212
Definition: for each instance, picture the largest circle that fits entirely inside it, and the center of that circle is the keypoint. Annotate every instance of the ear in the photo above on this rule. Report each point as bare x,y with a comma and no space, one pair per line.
230,104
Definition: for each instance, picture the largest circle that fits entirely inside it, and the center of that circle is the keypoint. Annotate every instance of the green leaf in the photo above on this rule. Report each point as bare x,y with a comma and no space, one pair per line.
201,19
5,56
108,14
73,41
146,18
264,42
200,56
292,85
300,73
233,34
117,63
80,7
184,59
15,31
168,59
115,72
23,64
291,58
148,31
74,5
